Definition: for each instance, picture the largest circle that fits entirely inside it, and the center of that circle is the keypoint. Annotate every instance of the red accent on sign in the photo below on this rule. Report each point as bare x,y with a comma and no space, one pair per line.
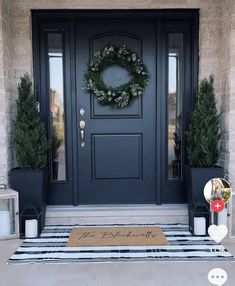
217,206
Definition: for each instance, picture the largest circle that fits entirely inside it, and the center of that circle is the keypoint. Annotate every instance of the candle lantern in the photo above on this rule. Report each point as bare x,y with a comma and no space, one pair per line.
9,213
30,218
199,218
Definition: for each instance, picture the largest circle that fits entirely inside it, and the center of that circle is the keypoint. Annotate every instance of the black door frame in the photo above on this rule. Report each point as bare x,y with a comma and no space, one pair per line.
66,19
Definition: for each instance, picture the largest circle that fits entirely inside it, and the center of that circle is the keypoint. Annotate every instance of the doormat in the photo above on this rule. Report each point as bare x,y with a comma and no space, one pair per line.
117,236
51,247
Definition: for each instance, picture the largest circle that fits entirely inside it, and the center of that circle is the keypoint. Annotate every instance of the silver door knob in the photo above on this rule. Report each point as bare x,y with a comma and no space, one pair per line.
82,124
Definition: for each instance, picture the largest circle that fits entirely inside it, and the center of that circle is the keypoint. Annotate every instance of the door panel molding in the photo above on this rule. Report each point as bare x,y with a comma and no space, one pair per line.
130,157
98,110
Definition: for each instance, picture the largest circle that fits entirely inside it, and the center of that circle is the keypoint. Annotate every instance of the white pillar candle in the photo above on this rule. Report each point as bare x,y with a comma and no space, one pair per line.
31,228
222,217
199,226
5,224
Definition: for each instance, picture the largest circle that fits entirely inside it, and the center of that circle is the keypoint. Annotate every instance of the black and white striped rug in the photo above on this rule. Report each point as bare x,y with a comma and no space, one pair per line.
51,247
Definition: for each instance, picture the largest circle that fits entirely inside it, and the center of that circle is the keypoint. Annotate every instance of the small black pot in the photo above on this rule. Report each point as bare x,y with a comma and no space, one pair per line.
32,188
196,179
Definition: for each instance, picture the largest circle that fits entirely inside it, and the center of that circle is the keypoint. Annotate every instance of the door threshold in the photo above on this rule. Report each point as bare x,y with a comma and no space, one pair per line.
117,214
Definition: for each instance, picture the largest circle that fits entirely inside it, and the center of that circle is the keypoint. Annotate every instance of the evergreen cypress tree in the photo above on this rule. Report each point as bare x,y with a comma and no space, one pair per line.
29,135
204,132
55,143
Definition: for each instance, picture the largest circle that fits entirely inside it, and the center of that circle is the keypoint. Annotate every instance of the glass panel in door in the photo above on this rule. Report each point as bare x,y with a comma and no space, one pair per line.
56,102
175,69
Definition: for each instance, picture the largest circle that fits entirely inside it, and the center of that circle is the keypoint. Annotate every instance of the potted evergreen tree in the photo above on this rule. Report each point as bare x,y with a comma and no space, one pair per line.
203,142
31,147
55,145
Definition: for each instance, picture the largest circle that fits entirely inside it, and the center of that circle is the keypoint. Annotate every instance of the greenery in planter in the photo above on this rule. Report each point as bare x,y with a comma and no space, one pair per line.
56,138
204,132
29,135
55,143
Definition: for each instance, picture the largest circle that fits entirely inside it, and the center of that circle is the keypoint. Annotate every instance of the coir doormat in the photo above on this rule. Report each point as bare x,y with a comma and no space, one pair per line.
117,236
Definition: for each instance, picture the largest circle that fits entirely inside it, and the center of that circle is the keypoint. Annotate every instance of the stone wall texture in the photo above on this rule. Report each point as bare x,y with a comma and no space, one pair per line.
216,45
6,88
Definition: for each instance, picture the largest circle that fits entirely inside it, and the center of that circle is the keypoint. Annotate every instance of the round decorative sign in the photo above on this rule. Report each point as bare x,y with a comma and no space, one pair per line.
122,95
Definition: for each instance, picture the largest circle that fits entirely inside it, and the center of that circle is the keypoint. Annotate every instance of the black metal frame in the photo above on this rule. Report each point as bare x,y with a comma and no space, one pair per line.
180,20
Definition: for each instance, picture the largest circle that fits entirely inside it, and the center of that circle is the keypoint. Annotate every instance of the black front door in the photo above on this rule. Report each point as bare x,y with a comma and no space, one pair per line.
117,164
131,155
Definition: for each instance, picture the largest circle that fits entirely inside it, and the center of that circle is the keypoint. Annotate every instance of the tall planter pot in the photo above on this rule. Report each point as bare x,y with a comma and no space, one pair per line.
196,179
32,187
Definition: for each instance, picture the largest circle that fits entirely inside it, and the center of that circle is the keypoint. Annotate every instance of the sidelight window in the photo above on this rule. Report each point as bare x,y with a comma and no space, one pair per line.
56,107
175,76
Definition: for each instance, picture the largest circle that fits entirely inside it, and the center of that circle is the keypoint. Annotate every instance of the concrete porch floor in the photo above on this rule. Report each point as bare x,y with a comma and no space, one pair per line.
110,274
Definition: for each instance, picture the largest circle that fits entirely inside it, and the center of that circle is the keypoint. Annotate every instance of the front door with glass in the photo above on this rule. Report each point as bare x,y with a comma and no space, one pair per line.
130,155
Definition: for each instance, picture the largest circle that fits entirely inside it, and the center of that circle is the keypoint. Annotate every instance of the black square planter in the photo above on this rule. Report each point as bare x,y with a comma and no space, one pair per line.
196,179
32,188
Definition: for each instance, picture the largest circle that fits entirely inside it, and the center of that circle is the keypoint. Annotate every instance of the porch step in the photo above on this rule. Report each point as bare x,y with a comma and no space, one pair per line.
118,214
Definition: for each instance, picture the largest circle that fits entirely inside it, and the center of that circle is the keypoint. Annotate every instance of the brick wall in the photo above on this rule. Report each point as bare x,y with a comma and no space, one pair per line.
230,70
6,90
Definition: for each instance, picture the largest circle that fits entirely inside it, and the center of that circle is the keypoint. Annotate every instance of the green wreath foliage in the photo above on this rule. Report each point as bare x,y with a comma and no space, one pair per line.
122,95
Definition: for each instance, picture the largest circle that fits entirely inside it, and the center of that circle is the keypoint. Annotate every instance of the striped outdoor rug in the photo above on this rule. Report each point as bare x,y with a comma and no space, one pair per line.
51,247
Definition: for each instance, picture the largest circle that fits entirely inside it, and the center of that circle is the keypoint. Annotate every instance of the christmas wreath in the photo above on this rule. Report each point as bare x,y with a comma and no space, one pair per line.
116,96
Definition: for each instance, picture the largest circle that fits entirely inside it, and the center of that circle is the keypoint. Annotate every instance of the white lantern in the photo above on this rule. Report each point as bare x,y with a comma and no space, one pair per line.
9,213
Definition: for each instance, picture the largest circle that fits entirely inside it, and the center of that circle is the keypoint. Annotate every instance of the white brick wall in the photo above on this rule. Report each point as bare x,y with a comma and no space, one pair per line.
6,91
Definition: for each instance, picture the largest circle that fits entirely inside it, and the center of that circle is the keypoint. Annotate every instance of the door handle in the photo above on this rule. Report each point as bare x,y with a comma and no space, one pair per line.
82,125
